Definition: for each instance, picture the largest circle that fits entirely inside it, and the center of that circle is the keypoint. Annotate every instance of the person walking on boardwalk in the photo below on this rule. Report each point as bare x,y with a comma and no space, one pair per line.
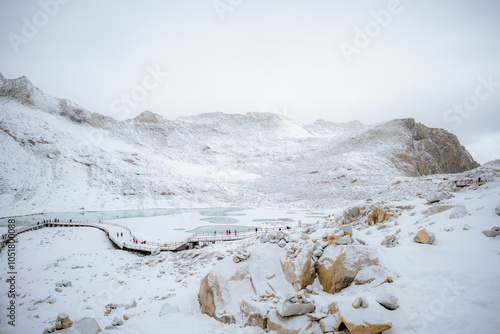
215,232
256,229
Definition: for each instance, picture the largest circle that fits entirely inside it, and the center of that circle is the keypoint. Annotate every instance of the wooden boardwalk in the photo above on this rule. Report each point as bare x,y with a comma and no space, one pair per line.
112,229
465,183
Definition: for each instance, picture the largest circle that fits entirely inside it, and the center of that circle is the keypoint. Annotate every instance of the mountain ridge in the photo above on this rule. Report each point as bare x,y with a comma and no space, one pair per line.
208,159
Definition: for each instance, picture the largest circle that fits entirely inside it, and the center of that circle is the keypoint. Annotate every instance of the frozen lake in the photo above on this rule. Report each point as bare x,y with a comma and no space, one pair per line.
167,225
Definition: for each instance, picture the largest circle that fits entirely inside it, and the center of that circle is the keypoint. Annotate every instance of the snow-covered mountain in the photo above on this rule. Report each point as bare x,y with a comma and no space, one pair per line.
59,156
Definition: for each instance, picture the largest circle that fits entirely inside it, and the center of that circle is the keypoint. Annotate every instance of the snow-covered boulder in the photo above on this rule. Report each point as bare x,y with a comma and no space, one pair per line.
385,298
298,268
331,323
424,237
167,309
339,265
295,305
85,325
434,197
495,231
345,240
497,210
458,212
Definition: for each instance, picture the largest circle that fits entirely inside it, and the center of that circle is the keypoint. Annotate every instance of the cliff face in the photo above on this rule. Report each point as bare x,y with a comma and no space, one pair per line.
432,151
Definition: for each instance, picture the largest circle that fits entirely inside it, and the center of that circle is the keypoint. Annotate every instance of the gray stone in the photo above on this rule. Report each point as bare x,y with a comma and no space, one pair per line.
67,283
497,210
491,233
282,243
59,289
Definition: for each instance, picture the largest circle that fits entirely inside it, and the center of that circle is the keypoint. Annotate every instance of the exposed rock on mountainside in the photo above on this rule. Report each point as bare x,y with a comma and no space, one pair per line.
215,159
432,151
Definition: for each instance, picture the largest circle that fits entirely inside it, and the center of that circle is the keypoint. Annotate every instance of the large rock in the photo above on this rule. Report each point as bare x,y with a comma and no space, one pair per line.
424,237
458,212
252,315
85,325
385,298
339,265
299,269
293,305
223,290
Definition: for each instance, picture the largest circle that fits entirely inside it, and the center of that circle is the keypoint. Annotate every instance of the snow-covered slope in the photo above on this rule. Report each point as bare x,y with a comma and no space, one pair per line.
62,157
449,286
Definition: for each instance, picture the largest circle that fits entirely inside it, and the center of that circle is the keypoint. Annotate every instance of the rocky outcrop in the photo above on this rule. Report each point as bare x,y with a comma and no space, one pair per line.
424,237
299,269
339,265
430,151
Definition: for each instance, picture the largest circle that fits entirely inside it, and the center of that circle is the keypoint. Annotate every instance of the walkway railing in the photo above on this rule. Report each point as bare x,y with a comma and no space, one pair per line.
173,246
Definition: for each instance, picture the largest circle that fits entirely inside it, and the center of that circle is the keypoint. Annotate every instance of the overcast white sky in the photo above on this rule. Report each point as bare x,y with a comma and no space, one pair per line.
304,58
